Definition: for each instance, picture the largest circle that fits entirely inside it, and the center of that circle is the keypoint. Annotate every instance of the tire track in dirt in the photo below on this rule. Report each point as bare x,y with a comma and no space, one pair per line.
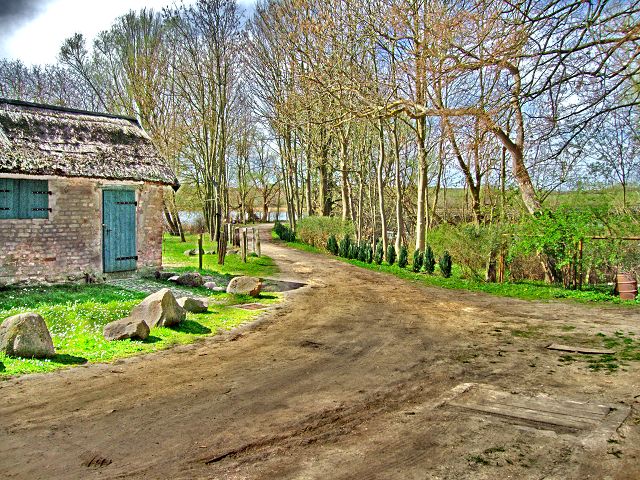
323,388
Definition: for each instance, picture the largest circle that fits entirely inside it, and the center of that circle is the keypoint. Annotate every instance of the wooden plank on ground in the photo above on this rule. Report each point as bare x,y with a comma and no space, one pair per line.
540,411
578,349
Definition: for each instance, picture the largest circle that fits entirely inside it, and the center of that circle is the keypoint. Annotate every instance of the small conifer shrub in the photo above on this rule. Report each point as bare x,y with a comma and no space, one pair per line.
332,245
369,253
429,260
353,251
391,254
417,261
283,232
445,264
403,257
344,248
379,254
362,251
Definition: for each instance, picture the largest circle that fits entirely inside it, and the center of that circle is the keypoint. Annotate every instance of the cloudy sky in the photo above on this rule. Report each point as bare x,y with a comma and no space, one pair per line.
33,30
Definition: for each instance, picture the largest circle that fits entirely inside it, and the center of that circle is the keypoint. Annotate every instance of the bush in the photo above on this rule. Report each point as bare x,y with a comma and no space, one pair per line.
344,248
316,231
332,245
391,254
471,244
284,232
403,257
369,253
353,251
379,255
362,251
429,260
445,264
417,261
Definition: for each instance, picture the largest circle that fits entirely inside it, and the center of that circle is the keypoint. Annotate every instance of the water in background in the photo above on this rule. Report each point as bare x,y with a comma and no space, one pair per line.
193,218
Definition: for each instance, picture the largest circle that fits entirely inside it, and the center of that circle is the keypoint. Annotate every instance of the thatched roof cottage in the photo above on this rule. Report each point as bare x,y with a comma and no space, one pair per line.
80,194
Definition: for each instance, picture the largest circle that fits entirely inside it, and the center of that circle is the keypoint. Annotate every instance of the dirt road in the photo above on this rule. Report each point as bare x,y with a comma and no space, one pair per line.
348,379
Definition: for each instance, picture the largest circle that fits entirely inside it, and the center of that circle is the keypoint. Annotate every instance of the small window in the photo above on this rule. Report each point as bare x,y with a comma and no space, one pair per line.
24,199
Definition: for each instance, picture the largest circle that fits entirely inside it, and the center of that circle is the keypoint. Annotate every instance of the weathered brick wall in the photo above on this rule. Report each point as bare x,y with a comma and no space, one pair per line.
150,222
68,245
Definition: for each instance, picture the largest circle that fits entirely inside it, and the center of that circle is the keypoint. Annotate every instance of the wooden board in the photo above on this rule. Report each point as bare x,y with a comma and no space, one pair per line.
252,306
539,411
586,350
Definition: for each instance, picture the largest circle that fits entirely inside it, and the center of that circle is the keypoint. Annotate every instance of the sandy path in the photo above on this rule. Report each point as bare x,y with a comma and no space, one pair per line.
341,381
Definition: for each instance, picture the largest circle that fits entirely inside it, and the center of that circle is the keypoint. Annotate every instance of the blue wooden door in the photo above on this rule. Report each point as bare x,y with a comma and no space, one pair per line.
119,230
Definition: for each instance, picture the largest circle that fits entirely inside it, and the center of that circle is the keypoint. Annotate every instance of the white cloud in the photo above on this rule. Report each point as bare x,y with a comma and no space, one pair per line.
39,41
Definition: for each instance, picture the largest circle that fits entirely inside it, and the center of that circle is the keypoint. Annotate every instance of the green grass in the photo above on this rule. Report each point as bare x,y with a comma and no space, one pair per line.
527,290
173,258
76,314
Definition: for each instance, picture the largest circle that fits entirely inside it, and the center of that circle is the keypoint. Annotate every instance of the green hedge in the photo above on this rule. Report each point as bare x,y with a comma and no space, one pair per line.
316,231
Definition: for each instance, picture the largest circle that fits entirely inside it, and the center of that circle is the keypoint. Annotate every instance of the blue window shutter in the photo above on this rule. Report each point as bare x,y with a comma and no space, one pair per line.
8,198
34,199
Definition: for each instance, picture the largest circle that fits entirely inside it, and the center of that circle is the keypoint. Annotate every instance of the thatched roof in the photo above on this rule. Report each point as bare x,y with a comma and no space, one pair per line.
46,140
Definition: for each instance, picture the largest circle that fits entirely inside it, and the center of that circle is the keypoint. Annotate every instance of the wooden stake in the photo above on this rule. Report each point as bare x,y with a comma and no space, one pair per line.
258,249
200,252
253,240
243,246
580,248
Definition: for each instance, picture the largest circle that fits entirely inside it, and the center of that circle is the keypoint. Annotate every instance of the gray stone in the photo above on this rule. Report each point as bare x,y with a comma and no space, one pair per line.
26,335
210,285
126,328
193,305
245,286
190,279
159,310
218,289
192,252
174,278
164,275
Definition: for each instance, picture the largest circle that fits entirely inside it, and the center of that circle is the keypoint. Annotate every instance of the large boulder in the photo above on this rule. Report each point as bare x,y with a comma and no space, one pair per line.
193,305
190,279
159,309
26,335
245,286
126,328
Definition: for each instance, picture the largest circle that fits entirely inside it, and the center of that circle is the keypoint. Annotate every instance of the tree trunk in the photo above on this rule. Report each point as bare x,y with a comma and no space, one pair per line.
421,127
399,218
379,167
436,192
344,187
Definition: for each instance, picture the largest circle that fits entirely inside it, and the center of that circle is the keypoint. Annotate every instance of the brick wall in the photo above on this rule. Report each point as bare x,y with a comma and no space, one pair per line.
68,245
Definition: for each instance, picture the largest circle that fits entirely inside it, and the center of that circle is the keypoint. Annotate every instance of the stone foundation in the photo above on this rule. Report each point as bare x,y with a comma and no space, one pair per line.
67,247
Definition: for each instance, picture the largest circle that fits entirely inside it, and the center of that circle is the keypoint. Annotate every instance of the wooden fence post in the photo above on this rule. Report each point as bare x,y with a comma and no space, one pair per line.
580,248
501,264
200,251
243,245
253,240
258,248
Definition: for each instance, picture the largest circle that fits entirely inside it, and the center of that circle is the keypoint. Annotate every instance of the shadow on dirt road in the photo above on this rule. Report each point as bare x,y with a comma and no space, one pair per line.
348,379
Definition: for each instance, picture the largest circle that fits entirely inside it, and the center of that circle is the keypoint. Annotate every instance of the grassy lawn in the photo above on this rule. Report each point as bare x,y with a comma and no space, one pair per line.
76,314
527,290
174,259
